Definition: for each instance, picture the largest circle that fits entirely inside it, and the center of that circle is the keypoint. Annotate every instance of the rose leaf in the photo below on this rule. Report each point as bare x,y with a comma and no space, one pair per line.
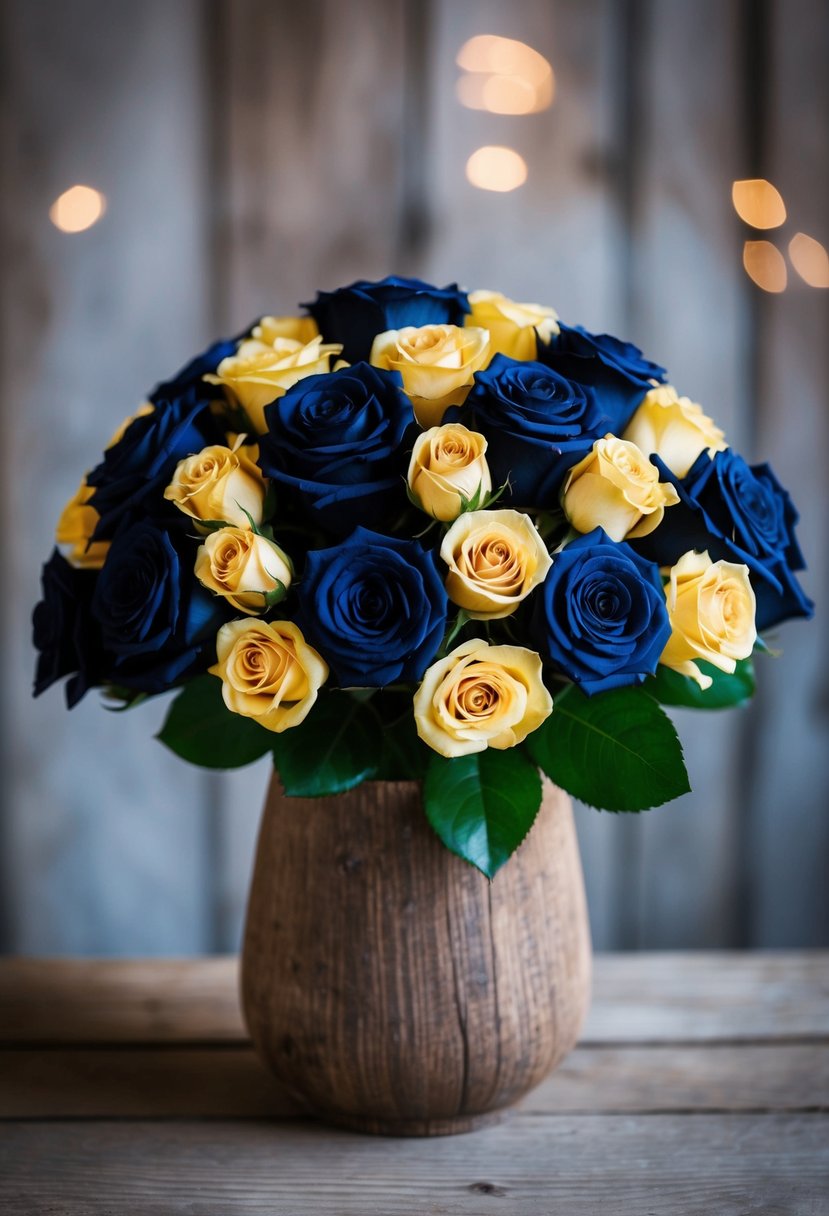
616,750
200,728
482,806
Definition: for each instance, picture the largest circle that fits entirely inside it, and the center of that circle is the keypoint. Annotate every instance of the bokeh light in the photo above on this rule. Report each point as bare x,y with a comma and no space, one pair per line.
496,168
765,265
810,259
504,76
758,203
77,209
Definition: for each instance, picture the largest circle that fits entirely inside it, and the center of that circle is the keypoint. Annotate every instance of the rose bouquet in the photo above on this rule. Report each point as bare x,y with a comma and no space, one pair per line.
423,534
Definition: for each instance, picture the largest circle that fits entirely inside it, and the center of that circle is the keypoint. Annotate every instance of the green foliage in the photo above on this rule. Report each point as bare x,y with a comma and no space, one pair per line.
482,806
200,728
617,750
670,688
338,746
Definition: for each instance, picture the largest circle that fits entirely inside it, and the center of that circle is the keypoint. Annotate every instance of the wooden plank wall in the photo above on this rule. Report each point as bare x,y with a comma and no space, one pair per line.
253,150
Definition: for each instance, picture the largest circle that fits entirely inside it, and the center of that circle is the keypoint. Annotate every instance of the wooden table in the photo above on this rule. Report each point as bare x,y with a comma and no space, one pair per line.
701,1086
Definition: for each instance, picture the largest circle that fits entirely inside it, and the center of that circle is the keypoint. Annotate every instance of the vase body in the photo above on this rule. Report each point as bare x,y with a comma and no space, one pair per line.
390,986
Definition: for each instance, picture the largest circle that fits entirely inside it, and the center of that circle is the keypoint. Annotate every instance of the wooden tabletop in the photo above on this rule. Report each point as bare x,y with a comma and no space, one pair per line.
701,1085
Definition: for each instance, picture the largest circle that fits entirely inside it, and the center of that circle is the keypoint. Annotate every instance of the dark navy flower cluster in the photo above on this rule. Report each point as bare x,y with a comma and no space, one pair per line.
369,593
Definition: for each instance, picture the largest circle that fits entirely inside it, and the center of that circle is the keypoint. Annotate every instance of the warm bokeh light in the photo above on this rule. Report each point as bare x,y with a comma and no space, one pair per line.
496,168
77,209
504,76
810,259
765,265
758,202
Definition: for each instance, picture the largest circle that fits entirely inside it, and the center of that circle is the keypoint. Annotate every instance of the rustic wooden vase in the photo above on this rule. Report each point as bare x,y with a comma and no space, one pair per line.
391,987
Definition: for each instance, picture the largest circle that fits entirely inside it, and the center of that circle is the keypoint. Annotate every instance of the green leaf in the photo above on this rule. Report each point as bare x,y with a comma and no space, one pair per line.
404,755
200,728
482,806
333,750
460,621
670,688
617,750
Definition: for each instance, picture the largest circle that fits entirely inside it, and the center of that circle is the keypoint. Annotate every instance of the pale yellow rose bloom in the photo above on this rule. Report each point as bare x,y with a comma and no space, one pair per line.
268,672
673,428
616,488
77,522
300,329
448,463
276,356
220,483
495,559
243,567
436,362
711,607
513,328
481,696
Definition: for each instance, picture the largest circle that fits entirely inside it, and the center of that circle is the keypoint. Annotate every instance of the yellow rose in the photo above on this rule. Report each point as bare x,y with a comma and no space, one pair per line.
512,327
77,522
278,353
616,488
481,696
299,329
673,428
244,567
268,672
220,484
711,607
436,362
495,559
448,463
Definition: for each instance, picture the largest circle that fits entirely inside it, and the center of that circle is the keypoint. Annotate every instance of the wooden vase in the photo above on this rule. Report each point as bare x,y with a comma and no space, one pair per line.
388,984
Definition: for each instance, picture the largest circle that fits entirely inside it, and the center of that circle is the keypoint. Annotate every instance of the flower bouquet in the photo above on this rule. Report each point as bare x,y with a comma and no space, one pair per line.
420,534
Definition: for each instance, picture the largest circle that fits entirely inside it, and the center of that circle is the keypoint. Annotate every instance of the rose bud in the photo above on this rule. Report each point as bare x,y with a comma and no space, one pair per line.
711,607
436,362
514,329
243,567
615,487
448,465
220,483
673,428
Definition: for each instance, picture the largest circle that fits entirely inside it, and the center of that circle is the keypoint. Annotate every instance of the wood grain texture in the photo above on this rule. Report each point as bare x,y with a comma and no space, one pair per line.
233,1083
681,885
788,858
655,998
408,994
96,1001
532,1166
104,836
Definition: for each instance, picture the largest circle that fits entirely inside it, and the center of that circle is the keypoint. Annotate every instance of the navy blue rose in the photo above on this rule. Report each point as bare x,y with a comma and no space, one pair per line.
374,607
627,358
738,513
600,616
132,477
192,374
538,424
355,315
156,621
336,444
64,633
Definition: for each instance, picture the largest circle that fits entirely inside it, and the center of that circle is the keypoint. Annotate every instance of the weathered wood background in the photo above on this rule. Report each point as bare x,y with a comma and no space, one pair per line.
253,150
